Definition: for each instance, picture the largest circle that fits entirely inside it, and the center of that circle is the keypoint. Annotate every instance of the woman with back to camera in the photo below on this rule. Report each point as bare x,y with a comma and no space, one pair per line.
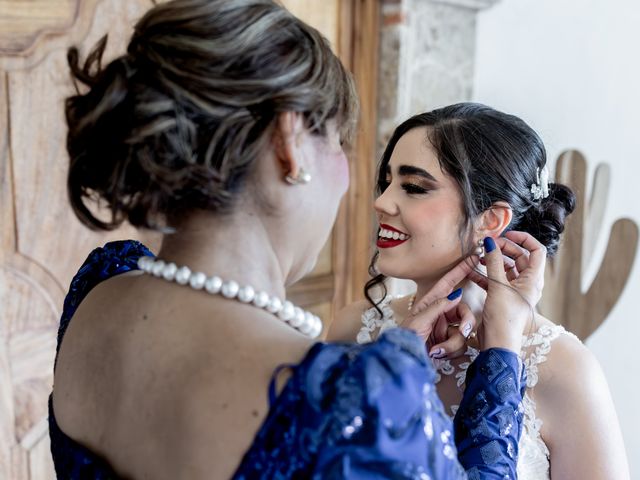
447,179
222,126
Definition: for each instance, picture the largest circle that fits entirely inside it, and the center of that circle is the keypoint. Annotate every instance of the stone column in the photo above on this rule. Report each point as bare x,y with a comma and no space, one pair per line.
427,53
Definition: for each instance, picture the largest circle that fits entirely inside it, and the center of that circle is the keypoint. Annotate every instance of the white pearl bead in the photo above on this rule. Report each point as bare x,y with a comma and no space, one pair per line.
305,328
213,285
317,328
287,312
303,321
274,305
310,318
230,289
197,280
246,294
261,299
143,262
298,318
182,275
169,272
158,268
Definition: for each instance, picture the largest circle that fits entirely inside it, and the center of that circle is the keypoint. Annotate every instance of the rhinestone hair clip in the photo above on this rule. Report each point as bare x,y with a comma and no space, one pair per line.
540,189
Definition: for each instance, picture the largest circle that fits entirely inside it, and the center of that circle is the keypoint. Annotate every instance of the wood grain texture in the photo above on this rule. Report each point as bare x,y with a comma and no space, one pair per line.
358,214
31,29
321,15
37,142
563,300
41,242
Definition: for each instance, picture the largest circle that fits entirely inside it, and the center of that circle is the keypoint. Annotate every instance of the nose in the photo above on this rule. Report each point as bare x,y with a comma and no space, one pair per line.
385,203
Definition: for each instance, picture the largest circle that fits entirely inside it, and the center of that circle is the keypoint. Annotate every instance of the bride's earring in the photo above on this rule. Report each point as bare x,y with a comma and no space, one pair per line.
479,250
302,178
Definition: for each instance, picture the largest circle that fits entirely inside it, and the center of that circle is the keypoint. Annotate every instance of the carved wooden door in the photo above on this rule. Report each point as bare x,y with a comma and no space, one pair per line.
41,242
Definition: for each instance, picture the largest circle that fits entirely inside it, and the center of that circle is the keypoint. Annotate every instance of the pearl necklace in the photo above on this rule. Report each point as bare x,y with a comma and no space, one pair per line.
303,321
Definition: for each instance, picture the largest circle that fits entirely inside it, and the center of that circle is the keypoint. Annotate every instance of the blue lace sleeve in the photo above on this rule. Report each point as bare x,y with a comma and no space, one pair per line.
399,429
102,263
488,423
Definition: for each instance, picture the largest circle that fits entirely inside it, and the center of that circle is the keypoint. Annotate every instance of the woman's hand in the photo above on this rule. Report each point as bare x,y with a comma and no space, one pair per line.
443,302
512,293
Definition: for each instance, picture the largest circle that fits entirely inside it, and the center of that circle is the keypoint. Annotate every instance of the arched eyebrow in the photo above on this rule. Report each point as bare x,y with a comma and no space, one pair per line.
407,170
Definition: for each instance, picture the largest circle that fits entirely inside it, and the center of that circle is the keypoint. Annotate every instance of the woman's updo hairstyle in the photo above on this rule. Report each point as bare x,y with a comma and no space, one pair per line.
176,123
492,156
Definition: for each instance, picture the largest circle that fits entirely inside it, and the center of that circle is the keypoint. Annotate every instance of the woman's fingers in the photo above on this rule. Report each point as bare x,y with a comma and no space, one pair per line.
440,328
423,322
446,284
509,263
537,251
457,333
479,279
453,347
494,262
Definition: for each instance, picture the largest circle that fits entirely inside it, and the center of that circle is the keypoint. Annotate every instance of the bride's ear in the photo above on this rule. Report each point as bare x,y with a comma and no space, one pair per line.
494,220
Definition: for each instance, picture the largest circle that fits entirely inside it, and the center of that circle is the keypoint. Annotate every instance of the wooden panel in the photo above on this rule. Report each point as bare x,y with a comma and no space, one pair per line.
563,300
30,29
354,243
321,15
37,133
41,242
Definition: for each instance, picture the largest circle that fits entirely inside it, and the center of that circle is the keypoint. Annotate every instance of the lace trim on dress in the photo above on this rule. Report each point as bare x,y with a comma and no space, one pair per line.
533,463
372,322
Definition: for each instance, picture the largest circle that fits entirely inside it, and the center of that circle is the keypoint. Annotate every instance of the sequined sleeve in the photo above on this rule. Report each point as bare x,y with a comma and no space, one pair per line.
488,423
391,423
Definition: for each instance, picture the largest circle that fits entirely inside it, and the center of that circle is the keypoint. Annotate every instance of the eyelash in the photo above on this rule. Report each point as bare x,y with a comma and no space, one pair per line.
411,188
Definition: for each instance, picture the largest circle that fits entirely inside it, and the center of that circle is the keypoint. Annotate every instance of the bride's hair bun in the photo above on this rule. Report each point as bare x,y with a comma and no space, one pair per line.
545,221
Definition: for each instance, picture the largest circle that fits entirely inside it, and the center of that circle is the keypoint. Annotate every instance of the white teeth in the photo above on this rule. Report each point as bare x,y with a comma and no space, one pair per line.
384,233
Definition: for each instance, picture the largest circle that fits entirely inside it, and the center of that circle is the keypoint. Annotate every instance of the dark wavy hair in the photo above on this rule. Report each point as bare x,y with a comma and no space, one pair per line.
491,156
176,123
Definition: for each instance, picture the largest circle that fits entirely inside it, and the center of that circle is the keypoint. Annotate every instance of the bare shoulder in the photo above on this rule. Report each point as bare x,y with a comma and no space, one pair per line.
570,367
580,425
346,323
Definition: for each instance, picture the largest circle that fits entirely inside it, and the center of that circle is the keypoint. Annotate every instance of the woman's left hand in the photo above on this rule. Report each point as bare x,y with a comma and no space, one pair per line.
448,341
459,316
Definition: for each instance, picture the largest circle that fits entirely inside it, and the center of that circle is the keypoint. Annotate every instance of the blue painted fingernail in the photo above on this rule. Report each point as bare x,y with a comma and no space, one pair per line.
455,294
489,245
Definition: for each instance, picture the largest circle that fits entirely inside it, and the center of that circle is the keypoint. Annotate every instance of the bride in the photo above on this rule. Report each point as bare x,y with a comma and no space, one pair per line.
448,179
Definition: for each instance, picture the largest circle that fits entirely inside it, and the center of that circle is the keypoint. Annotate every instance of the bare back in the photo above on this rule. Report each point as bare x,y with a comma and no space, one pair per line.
170,382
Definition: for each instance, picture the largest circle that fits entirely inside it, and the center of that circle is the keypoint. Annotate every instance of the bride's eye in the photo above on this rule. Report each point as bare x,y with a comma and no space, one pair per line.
412,188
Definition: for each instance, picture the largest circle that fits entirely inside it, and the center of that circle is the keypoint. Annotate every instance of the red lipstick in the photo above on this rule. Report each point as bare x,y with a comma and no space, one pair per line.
385,240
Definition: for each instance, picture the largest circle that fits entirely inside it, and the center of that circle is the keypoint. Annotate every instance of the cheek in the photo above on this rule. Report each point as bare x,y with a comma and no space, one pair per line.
437,229
340,171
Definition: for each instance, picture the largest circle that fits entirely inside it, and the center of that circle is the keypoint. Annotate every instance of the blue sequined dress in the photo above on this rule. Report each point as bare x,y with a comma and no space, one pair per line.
348,411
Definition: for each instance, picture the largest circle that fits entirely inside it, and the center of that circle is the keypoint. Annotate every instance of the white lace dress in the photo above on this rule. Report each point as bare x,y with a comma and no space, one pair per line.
533,461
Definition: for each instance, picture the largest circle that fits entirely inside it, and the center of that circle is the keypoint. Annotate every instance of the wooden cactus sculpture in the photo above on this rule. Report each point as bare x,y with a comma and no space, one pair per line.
563,300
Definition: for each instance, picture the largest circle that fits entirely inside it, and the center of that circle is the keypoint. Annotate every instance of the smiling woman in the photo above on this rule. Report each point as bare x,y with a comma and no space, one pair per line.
447,180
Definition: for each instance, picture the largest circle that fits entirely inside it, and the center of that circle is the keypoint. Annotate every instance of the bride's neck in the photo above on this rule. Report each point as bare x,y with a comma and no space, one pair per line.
472,294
